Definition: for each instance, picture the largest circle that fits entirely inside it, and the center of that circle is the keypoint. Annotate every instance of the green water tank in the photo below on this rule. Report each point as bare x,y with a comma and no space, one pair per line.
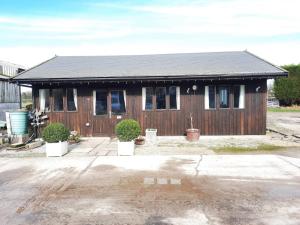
19,122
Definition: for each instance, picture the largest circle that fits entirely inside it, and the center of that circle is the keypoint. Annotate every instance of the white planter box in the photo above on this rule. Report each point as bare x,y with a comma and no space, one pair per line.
125,148
56,149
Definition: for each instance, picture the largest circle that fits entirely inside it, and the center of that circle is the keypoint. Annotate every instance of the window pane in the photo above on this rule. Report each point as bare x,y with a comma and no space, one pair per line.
212,96
117,102
224,97
149,95
71,99
236,96
58,95
160,97
173,99
44,96
101,103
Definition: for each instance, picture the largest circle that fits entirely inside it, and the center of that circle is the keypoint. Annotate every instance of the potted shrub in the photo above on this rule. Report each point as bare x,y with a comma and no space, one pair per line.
192,134
127,131
56,135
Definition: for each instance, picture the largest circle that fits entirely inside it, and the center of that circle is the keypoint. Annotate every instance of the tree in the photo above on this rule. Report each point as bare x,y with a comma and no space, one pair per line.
287,90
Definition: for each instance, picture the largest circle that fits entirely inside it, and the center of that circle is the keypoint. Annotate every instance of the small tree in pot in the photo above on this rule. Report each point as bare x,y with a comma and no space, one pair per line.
127,131
192,134
56,136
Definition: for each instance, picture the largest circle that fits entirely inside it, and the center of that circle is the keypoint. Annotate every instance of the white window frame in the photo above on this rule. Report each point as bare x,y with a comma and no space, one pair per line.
42,99
178,97
144,98
242,97
206,97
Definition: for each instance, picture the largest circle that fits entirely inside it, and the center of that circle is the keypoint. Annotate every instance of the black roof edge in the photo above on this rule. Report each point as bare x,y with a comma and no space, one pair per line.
12,78
278,67
151,78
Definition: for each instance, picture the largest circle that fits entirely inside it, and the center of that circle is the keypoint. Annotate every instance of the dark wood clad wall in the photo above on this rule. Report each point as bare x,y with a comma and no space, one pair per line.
249,121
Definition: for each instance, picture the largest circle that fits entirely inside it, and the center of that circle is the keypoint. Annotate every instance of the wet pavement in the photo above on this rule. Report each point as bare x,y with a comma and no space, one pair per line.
164,190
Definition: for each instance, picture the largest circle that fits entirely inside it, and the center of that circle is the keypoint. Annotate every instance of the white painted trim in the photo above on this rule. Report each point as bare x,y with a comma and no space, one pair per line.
94,102
206,97
143,98
124,94
178,97
75,97
42,99
242,97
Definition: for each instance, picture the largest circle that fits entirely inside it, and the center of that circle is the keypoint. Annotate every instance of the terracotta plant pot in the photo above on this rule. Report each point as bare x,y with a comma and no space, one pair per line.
192,134
139,141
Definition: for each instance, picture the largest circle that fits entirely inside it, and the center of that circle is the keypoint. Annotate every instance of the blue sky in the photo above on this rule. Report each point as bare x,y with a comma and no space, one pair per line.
33,31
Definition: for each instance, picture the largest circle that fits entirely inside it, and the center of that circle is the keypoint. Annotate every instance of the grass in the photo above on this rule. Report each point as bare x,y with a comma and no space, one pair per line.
285,109
241,149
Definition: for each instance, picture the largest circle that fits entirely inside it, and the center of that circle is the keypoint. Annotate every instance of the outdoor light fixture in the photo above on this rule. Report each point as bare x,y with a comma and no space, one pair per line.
195,87
257,89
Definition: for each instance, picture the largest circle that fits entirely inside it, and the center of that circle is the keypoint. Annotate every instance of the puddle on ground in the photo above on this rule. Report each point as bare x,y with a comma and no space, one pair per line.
161,181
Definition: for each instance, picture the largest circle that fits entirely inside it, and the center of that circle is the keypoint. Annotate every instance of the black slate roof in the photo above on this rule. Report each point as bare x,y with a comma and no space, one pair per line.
181,65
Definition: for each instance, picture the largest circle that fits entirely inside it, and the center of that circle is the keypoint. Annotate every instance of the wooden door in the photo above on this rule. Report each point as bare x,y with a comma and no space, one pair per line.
104,121
85,112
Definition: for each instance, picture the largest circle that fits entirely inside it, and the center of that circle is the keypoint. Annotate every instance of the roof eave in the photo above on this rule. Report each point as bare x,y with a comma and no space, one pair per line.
176,77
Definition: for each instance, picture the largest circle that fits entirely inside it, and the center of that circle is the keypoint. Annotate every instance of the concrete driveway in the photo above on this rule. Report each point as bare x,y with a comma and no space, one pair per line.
210,189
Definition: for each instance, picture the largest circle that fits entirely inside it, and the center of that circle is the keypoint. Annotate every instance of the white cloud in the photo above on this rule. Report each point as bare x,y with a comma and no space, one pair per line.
244,21
64,28
277,53
255,17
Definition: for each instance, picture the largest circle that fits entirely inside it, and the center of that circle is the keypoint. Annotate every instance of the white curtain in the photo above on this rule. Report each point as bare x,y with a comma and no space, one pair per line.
242,97
124,94
206,97
42,97
75,97
178,97
94,102
144,98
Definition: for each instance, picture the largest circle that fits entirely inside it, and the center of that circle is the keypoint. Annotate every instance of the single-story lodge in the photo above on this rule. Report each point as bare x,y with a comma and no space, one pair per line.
224,92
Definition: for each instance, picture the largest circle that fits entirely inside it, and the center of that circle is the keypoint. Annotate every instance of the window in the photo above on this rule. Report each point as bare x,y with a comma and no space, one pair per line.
118,102
147,95
100,102
174,93
224,96
239,96
44,97
160,97
58,98
210,97
160,94
71,99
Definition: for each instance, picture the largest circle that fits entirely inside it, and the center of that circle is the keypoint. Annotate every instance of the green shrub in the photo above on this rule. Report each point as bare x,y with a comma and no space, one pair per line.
55,132
128,130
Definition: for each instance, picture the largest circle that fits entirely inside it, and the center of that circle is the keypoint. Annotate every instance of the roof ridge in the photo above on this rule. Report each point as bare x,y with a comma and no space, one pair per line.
175,53
278,67
33,67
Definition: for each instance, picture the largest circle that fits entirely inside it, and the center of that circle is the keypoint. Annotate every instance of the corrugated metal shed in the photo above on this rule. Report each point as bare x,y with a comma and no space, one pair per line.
9,92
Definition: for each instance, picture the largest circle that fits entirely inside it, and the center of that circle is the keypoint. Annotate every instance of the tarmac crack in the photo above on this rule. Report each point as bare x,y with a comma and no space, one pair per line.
289,162
198,164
